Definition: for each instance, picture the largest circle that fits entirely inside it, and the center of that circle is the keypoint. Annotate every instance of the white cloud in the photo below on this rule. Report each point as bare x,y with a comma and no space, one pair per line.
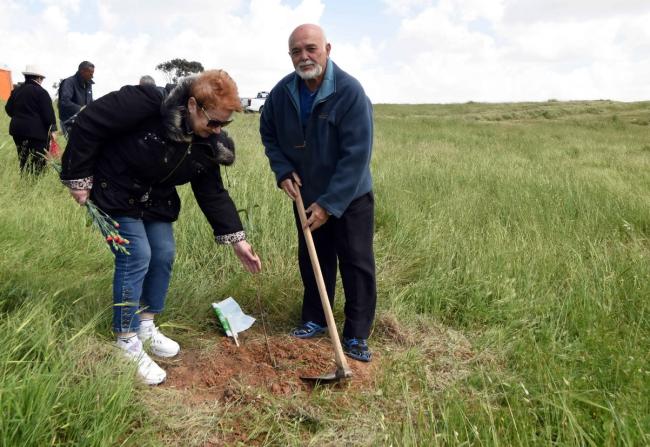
469,10
434,29
571,10
567,41
129,39
440,51
357,58
588,51
55,19
72,5
405,7
108,19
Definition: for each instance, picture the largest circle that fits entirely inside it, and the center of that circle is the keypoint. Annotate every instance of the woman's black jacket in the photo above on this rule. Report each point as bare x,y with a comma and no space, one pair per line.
31,112
133,146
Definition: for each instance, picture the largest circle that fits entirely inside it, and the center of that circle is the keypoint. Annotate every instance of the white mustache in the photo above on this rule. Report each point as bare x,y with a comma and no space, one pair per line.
315,71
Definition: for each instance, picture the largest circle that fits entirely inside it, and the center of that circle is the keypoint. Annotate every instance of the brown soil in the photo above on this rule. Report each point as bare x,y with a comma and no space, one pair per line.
213,376
224,371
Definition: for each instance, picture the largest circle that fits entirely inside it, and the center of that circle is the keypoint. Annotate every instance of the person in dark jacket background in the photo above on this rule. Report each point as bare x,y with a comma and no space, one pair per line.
316,128
75,93
128,151
147,80
32,120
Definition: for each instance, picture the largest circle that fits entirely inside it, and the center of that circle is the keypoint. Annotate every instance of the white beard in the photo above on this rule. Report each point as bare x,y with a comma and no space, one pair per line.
312,74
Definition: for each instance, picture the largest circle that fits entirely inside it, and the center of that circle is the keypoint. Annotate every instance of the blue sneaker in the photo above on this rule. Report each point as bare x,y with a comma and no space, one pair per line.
357,348
308,330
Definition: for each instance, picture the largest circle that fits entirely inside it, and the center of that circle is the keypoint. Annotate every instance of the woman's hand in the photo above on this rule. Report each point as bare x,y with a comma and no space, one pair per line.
80,195
247,256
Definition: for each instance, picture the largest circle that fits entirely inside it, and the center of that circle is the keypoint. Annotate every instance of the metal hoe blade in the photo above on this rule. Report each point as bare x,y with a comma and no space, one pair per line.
339,374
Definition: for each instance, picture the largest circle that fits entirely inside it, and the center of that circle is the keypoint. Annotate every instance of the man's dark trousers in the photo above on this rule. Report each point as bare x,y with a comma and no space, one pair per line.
347,239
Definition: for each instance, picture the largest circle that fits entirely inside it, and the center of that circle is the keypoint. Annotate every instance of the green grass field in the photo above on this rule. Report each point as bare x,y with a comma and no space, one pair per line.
514,281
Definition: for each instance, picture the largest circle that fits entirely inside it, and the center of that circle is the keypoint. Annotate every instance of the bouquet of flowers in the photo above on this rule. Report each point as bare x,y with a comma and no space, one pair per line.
107,226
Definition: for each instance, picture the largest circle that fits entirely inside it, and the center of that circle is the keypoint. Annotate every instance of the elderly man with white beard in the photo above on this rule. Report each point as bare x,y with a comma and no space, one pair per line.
317,131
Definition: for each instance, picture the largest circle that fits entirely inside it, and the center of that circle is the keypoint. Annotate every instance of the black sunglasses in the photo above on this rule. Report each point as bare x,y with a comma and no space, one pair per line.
213,124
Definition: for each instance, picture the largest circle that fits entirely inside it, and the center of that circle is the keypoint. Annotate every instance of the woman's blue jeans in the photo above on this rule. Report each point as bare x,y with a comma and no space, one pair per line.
141,278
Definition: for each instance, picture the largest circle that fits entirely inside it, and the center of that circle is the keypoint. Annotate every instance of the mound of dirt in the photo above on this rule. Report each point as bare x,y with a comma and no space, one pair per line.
211,376
241,375
223,371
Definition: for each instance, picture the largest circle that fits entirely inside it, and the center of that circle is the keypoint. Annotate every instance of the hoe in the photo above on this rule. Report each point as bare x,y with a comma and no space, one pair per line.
342,369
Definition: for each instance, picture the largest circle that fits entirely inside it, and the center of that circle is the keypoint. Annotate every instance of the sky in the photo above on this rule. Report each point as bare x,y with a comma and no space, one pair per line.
402,51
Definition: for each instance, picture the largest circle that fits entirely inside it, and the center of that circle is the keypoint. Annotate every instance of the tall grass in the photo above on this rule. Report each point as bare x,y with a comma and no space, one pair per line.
521,227
533,235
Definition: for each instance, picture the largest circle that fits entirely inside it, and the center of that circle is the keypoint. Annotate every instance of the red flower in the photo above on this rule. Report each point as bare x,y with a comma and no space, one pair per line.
54,148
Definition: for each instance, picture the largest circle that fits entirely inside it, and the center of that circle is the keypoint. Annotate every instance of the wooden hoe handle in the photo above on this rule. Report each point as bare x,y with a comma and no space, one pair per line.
341,362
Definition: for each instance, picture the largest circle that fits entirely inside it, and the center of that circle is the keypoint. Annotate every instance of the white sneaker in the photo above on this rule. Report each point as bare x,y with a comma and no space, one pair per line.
148,370
161,345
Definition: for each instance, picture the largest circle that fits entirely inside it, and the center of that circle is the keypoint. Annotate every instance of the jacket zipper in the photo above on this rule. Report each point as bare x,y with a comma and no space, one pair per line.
310,121
187,152
297,108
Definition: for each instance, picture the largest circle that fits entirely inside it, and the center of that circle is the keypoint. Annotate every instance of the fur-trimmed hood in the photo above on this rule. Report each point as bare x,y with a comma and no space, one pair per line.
120,149
174,115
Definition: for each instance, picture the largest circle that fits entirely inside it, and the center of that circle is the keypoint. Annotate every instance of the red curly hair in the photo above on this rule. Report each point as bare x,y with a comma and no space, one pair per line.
215,88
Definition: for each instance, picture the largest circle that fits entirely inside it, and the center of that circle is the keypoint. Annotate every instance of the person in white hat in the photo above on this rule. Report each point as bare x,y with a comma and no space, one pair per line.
32,120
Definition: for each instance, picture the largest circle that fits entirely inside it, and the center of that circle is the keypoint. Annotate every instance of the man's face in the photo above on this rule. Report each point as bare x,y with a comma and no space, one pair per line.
87,73
309,52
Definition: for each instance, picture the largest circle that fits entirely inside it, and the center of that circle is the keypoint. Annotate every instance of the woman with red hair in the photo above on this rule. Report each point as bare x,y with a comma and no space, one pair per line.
127,152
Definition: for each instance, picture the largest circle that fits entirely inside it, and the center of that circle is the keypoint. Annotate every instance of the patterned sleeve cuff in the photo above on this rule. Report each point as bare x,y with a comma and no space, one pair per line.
232,238
82,183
